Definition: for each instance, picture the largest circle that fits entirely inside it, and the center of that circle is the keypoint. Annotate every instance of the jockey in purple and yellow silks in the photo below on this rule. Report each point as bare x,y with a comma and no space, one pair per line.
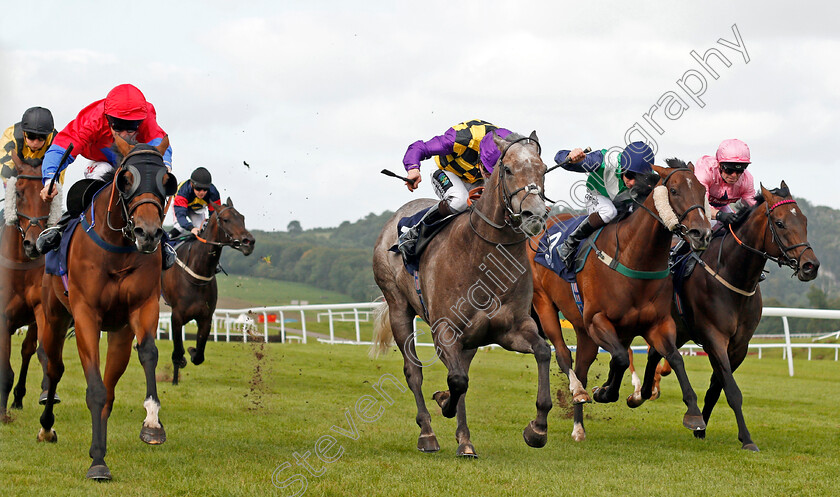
27,141
465,155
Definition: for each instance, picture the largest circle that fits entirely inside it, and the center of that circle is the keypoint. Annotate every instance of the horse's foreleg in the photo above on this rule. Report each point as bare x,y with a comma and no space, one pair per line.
401,327
462,432
52,327
662,337
144,323
204,323
547,314
646,391
178,359
587,351
720,362
602,331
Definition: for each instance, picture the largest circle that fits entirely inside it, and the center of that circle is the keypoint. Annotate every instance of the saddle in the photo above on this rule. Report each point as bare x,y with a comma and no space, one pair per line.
426,233
550,243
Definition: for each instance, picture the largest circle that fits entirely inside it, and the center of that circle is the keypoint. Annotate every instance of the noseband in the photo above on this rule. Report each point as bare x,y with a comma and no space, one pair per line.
232,242
33,221
125,199
679,228
784,259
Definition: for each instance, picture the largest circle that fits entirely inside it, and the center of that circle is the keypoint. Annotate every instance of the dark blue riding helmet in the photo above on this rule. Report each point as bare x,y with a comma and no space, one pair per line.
637,157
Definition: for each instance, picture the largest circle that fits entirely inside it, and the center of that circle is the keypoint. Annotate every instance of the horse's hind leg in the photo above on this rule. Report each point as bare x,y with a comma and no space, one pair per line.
401,326
651,381
663,338
603,332
52,327
7,376
178,359
27,350
547,315
587,351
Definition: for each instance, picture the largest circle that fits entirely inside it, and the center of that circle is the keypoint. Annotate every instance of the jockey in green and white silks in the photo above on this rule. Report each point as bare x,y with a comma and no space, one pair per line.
610,172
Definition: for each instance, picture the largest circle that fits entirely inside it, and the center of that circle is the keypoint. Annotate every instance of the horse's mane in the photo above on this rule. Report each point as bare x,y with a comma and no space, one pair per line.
745,213
675,163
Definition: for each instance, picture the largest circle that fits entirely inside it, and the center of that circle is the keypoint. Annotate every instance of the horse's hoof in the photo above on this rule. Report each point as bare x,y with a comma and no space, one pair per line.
700,434
153,436
601,395
428,443
466,450
180,363
5,419
694,422
440,397
17,404
581,398
750,446
534,437
578,433
43,436
635,400
42,400
655,394
100,472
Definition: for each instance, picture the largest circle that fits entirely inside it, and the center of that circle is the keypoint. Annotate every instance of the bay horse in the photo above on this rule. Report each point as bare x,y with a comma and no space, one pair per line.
721,300
473,288
112,284
21,271
191,289
631,300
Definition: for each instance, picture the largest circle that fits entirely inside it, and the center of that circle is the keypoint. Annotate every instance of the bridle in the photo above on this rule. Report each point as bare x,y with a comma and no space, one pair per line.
125,199
513,219
231,241
33,221
679,228
784,259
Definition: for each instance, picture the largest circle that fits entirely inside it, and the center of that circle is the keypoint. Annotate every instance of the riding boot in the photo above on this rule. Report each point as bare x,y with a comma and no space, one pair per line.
568,250
168,253
50,238
408,238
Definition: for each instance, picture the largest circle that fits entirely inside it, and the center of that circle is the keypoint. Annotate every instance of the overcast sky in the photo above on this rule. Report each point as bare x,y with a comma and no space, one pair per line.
319,96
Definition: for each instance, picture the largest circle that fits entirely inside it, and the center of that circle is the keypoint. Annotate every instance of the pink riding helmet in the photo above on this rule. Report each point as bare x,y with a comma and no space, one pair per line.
733,150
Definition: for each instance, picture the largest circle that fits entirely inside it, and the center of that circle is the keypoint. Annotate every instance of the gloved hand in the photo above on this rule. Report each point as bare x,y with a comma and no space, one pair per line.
726,217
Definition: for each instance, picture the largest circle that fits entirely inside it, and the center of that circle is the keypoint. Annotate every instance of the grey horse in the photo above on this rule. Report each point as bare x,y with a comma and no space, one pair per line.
474,287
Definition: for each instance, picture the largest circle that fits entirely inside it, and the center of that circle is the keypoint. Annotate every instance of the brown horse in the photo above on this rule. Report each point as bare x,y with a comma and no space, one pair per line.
21,271
618,306
113,284
473,287
191,287
721,300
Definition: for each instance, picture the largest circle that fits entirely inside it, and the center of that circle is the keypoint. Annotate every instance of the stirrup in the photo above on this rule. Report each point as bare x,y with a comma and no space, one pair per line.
49,239
168,256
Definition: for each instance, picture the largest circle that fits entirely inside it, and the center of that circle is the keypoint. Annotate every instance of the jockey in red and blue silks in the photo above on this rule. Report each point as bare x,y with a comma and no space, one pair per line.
726,178
124,112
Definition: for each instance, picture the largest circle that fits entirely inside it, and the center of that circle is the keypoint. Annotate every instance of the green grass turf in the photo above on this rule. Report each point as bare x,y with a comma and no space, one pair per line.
236,419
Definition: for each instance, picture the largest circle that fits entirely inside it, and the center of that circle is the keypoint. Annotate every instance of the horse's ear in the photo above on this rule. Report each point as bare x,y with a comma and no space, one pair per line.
767,194
122,145
170,184
501,143
164,144
659,170
229,202
533,136
783,186
691,166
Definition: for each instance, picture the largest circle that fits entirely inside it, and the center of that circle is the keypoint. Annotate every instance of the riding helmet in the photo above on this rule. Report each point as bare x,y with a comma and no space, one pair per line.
733,150
126,102
637,157
201,178
37,120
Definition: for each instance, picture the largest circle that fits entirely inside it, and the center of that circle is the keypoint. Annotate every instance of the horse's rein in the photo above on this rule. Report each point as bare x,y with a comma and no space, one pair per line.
36,221
232,243
788,261
678,228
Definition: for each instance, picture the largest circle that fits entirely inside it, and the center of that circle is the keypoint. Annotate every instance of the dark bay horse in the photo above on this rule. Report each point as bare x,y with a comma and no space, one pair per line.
636,302
721,299
113,284
21,271
190,288
474,288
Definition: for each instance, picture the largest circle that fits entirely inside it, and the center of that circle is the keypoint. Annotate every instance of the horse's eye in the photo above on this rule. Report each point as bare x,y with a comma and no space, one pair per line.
780,224
674,191
507,170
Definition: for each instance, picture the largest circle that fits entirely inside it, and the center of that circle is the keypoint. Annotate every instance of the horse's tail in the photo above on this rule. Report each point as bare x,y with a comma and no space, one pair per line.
383,335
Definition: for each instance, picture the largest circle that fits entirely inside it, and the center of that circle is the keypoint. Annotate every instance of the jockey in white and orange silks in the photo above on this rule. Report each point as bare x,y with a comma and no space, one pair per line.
726,178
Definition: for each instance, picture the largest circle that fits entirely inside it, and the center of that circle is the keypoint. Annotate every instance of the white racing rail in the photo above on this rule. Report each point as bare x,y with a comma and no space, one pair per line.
289,324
